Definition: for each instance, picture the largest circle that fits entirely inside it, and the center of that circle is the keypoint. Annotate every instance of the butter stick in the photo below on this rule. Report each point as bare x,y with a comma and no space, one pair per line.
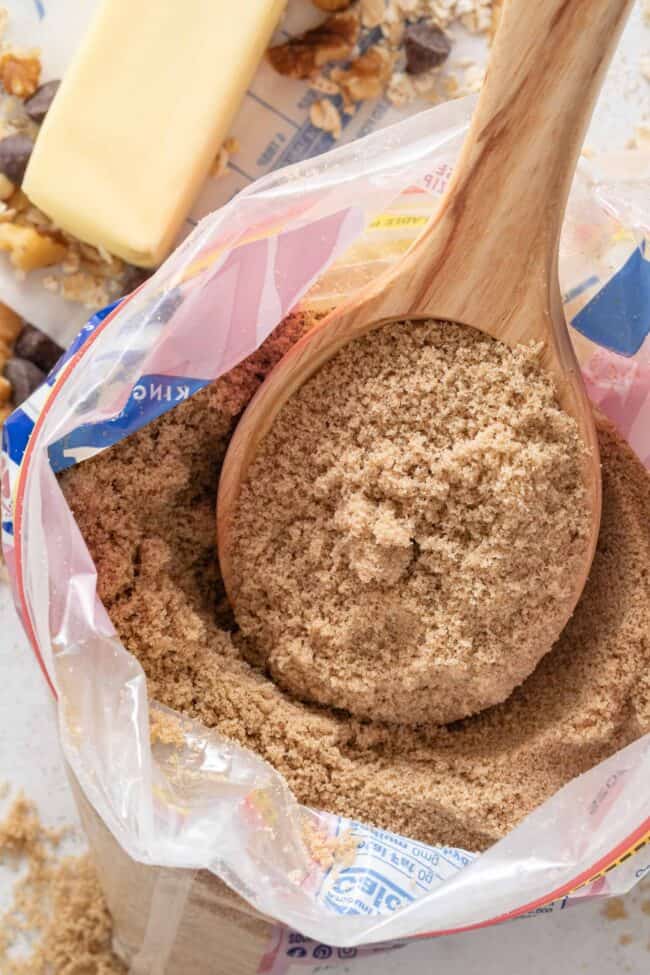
140,116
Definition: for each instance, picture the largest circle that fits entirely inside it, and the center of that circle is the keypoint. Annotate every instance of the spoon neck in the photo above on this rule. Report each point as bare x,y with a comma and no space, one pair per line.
508,195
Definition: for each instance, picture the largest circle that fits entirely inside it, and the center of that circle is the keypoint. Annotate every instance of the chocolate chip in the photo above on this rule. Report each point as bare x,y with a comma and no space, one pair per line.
37,347
426,47
24,377
37,106
133,277
15,151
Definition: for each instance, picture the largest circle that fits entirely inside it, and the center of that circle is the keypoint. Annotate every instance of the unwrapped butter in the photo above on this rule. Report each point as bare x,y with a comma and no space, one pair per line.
140,116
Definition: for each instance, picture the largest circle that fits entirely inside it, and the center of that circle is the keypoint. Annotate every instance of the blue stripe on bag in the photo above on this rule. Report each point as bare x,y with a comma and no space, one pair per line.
149,398
18,427
618,317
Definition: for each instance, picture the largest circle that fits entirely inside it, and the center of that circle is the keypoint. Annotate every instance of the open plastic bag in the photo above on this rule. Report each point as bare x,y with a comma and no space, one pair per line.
324,225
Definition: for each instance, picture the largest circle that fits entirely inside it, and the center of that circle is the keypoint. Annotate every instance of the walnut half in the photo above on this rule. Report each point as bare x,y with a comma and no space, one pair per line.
28,249
20,73
366,77
324,115
302,55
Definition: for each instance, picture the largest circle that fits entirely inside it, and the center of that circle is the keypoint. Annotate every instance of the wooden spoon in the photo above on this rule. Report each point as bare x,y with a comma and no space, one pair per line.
489,257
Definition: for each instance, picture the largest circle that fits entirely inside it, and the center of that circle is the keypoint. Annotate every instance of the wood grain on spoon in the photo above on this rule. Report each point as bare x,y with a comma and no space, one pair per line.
489,257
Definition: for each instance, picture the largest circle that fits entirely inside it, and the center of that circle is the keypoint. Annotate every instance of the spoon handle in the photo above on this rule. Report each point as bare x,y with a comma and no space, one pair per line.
503,211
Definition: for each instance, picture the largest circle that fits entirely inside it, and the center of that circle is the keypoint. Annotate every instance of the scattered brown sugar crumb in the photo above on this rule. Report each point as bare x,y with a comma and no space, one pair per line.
21,833
328,851
625,939
615,909
146,508
166,729
58,923
407,540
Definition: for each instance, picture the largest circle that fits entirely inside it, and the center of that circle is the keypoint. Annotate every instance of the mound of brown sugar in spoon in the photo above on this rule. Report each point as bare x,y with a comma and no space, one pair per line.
411,528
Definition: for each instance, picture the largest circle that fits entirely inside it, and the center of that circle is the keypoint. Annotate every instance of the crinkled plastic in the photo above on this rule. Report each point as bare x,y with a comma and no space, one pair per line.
210,305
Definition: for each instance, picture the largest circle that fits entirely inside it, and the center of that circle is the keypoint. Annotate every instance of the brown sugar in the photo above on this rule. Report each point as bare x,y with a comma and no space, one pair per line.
58,922
614,909
329,851
165,729
406,543
146,508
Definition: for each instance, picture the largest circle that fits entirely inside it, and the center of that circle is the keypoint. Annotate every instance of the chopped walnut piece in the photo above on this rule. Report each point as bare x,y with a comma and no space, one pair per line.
333,40
372,13
20,73
325,85
332,5
324,115
367,76
10,325
28,249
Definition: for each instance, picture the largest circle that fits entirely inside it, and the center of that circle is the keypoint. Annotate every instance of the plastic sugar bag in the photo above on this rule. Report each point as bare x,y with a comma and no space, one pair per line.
314,231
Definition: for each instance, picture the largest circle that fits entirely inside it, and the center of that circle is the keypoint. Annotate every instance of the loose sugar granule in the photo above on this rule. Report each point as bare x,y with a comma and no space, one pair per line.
58,922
